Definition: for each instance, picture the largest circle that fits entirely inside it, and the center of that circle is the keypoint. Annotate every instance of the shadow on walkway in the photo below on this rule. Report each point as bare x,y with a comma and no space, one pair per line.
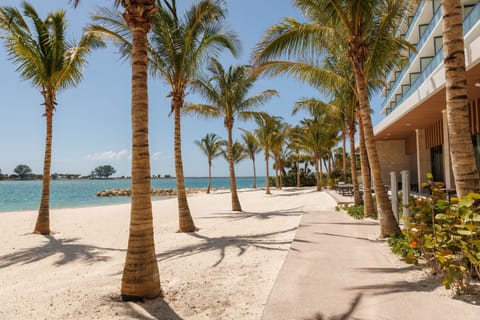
346,316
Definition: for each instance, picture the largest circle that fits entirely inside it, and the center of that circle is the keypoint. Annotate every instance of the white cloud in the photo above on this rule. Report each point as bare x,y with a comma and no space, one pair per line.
109,155
157,156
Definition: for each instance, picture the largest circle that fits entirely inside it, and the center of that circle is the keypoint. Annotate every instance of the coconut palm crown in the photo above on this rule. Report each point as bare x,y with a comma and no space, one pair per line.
179,46
227,92
211,146
43,55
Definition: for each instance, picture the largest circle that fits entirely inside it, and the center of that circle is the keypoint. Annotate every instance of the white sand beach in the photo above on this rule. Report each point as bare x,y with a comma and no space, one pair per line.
224,271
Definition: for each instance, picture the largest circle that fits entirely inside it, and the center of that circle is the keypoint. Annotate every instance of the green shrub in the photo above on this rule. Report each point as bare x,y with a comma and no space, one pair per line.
447,235
408,250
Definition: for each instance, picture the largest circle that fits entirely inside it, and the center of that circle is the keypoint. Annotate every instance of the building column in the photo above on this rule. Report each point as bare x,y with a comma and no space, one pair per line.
424,161
447,163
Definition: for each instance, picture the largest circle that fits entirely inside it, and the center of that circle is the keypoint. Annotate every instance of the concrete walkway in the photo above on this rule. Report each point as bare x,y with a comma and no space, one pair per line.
337,269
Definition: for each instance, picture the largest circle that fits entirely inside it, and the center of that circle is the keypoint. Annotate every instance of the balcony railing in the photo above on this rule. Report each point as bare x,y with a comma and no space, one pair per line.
469,21
423,39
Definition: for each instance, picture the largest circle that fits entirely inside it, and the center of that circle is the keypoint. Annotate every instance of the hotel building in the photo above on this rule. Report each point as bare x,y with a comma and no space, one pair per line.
413,133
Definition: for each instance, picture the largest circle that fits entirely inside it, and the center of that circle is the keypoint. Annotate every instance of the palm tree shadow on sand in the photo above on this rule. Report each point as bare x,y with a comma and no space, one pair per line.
67,249
346,316
257,215
144,310
221,244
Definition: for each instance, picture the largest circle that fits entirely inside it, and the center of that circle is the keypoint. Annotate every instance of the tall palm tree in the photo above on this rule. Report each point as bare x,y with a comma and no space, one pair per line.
140,274
51,63
268,126
211,146
251,149
226,91
367,31
464,165
179,48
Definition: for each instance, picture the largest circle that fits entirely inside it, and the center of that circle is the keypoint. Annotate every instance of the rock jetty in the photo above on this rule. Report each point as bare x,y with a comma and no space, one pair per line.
126,192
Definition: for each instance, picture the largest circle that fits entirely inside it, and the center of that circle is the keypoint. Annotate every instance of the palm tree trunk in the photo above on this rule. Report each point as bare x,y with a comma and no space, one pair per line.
233,183
140,275
209,175
329,169
344,154
388,224
368,207
464,166
281,178
185,220
356,193
267,182
254,174
298,169
277,180
318,173
42,225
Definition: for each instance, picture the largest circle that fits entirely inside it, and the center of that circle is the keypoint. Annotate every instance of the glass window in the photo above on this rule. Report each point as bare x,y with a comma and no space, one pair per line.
436,154
476,148
436,5
438,44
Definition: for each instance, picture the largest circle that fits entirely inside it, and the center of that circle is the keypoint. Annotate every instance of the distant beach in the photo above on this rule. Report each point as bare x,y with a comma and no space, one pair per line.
25,195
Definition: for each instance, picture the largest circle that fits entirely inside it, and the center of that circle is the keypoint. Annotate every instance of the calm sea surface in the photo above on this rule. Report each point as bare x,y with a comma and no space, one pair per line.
25,195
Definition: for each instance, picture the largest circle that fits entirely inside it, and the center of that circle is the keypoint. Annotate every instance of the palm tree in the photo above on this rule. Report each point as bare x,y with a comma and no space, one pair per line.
266,131
251,149
211,146
227,91
52,63
238,151
279,153
140,274
464,166
367,31
295,143
179,48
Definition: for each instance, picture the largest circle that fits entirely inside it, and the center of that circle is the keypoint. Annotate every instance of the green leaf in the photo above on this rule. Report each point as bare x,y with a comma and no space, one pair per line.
465,232
441,216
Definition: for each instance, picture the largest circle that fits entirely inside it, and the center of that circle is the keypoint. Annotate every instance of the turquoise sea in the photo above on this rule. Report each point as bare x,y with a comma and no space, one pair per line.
25,195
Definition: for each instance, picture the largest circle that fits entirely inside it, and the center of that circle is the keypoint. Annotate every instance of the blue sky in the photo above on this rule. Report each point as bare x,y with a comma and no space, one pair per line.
92,121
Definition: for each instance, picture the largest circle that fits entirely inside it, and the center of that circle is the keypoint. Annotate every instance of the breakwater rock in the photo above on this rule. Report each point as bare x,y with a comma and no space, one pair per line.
155,192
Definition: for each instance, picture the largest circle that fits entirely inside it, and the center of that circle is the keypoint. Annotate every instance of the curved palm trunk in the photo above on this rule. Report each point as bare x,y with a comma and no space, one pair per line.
464,166
185,221
209,175
368,207
140,275
388,224
233,183
254,174
267,182
356,193
43,220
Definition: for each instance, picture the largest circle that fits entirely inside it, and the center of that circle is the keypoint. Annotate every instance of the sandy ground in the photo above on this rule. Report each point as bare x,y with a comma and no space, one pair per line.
224,271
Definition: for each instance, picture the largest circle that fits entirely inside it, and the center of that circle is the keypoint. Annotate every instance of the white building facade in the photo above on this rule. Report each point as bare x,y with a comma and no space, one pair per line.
413,134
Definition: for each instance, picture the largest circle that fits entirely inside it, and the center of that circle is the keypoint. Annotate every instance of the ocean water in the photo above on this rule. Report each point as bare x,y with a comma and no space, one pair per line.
25,195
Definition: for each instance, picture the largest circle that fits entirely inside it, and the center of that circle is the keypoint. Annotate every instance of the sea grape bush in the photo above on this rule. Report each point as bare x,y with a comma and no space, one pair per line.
447,235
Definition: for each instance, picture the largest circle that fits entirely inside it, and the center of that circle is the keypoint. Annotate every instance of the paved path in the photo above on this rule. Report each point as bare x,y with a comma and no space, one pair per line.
336,269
